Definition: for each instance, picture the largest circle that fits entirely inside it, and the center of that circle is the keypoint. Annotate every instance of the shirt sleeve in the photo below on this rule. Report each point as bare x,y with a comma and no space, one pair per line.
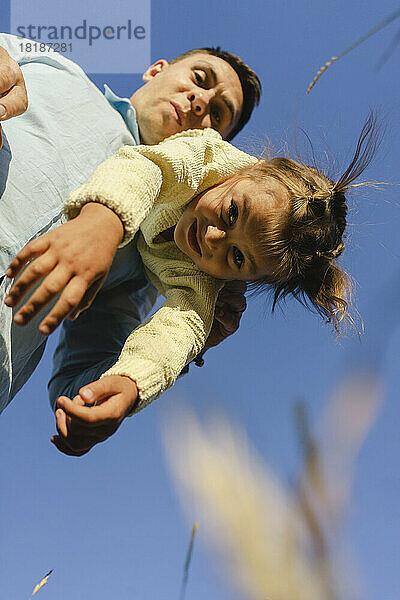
16,48
137,177
156,352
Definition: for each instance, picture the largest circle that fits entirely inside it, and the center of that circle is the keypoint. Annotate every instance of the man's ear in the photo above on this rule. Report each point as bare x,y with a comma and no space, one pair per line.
154,69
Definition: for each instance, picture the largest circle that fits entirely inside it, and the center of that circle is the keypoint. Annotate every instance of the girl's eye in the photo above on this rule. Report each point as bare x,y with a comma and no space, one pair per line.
232,213
199,78
238,257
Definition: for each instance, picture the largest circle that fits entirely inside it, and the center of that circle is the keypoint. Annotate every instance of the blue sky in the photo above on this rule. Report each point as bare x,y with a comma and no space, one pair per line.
110,524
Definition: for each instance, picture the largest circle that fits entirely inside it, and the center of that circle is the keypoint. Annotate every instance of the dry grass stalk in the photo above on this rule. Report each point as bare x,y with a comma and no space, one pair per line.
187,561
371,32
41,583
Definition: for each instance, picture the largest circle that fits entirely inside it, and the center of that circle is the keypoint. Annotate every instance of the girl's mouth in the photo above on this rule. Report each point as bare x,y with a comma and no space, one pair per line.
192,238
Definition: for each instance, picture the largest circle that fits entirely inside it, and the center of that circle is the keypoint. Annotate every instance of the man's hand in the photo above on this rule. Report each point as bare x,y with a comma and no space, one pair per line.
13,95
230,305
76,256
81,427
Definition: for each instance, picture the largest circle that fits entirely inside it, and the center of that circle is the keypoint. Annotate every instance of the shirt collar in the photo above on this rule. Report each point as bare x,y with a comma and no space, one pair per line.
126,110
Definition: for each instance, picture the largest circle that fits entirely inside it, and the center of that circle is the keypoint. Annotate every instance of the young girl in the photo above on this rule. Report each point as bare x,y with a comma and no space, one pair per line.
206,213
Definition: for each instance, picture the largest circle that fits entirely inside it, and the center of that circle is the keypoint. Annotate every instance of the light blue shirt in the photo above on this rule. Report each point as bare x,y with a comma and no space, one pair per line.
69,128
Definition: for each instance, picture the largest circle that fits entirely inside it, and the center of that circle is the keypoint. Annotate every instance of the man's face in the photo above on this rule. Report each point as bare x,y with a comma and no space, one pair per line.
196,92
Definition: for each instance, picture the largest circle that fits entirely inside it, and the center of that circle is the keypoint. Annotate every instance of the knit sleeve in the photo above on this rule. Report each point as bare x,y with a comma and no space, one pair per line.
136,177
128,183
155,353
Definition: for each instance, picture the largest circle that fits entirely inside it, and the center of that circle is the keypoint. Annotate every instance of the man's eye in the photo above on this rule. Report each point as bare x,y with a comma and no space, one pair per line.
238,257
232,213
216,115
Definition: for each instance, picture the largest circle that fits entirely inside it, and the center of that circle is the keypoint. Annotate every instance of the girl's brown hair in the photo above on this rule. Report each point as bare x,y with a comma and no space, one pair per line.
309,238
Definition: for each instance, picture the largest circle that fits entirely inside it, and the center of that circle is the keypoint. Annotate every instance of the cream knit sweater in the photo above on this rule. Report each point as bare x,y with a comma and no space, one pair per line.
148,187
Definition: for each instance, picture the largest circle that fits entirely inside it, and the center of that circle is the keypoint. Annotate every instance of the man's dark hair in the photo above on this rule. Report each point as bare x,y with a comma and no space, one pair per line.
251,85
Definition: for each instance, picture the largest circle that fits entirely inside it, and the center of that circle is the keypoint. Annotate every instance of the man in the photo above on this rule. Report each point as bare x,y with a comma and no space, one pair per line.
52,148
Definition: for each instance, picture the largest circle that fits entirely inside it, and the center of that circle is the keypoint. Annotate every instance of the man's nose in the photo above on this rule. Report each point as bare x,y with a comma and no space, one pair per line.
200,102
213,237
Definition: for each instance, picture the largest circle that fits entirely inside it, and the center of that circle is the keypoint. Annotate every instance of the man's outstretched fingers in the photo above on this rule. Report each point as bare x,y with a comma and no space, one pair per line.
62,447
233,301
232,287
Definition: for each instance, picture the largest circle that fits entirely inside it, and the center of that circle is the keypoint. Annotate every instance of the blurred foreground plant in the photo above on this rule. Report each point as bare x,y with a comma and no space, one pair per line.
276,543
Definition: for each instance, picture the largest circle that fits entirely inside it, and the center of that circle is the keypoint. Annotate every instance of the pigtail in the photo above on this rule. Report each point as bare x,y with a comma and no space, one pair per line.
307,241
330,290
367,146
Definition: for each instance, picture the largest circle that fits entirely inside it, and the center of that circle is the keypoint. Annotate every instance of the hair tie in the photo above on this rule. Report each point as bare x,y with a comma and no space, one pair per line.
331,254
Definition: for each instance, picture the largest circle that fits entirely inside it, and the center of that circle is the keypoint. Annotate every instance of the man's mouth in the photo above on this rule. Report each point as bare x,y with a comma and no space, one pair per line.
178,112
192,238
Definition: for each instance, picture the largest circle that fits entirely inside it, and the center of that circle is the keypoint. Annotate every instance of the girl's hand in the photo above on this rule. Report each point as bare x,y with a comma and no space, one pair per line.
76,256
80,427
13,95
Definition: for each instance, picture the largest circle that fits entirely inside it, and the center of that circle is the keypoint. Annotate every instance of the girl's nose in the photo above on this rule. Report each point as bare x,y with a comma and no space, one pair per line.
213,236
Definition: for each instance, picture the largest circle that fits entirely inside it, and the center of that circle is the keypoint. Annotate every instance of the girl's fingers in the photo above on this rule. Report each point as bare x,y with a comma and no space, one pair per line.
78,400
92,416
30,250
72,437
54,283
33,272
49,288
68,301
113,397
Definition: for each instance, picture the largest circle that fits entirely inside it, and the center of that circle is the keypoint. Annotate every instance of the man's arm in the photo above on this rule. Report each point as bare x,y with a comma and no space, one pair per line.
13,55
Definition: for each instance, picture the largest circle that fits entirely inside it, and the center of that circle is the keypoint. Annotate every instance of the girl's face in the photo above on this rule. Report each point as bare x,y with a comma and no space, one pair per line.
218,228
